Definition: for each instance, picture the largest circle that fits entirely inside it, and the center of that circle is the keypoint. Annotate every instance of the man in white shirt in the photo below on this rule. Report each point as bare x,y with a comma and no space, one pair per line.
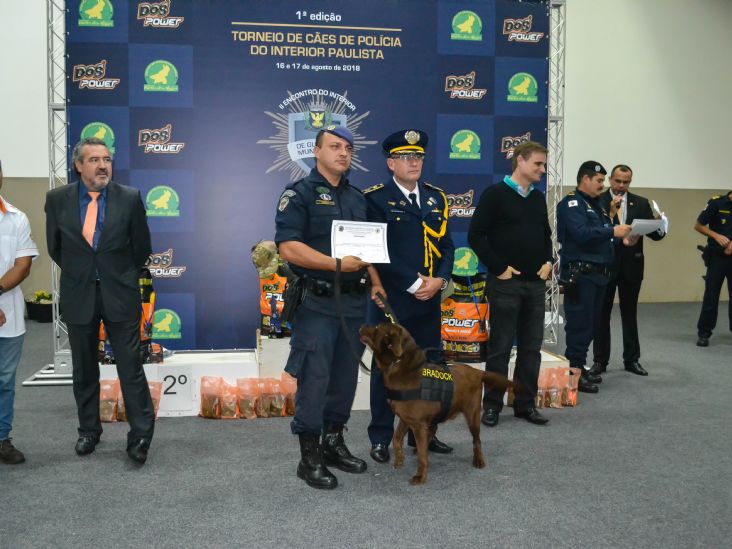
17,250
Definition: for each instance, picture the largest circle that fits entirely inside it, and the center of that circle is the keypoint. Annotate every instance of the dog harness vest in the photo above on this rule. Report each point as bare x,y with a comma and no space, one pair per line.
437,386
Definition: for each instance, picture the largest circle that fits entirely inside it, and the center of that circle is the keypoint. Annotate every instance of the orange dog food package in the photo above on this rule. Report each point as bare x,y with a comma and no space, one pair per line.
277,402
229,401
464,320
289,388
108,395
211,397
156,391
271,287
248,392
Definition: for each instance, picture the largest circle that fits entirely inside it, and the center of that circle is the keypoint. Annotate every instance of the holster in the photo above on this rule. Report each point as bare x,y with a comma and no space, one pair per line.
292,296
705,253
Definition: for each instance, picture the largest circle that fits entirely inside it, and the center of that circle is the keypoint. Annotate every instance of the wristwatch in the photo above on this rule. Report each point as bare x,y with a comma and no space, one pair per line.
444,284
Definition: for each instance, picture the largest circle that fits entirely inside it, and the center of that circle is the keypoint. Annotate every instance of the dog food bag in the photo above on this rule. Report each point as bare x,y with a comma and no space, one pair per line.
248,391
541,389
211,397
121,411
264,401
277,403
108,396
556,386
156,391
572,385
229,401
289,388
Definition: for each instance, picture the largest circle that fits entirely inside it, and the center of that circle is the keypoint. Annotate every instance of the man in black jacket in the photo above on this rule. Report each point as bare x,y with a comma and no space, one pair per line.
510,233
97,233
627,272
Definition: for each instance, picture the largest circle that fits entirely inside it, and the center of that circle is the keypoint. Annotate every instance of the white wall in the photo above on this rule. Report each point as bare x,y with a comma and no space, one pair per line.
649,84
23,97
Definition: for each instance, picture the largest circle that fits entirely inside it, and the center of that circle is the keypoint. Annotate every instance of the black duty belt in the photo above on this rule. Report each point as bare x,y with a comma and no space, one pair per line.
437,386
326,288
586,268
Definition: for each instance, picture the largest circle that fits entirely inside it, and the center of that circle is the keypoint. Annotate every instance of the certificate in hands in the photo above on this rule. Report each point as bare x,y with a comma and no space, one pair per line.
645,226
367,241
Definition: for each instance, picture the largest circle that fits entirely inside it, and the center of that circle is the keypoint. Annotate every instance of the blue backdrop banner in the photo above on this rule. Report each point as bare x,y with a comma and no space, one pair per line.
211,107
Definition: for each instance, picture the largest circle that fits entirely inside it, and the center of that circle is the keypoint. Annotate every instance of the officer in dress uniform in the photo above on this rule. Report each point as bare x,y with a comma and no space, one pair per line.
715,222
421,253
585,231
321,357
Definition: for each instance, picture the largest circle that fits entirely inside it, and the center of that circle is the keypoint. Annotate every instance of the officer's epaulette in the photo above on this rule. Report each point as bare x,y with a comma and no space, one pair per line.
374,188
715,197
433,187
571,193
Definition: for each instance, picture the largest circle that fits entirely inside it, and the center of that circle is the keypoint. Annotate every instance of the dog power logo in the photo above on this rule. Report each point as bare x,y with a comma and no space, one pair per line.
161,76
461,205
166,324
519,30
159,141
509,143
96,13
101,131
92,77
157,14
462,87
302,115
522,88
466,25
162,201
465,145
160,265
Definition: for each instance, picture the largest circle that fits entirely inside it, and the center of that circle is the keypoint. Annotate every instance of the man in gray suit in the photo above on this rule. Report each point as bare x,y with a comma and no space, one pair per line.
97,233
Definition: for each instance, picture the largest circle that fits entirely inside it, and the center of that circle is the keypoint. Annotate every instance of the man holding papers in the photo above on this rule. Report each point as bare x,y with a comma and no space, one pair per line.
321,358
421,254
626,274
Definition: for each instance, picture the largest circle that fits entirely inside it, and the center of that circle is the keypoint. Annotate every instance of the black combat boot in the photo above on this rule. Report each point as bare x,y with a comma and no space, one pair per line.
311,467
336,453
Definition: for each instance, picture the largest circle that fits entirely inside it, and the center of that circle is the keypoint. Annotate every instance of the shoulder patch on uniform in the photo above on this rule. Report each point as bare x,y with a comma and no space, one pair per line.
572,203
288,193
433,187
571,193
374,188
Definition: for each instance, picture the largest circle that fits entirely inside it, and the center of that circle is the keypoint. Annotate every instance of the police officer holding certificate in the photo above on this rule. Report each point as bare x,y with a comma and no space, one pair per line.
325,325
585,231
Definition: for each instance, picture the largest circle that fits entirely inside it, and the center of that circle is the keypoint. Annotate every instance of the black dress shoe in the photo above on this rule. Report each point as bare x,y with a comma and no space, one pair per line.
137,450
702,341
86,444
586,386
435,445
598,368
532,415
380,453
490,417
635,368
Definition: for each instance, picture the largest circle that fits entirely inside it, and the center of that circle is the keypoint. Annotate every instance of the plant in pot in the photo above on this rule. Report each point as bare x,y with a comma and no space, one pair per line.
40,306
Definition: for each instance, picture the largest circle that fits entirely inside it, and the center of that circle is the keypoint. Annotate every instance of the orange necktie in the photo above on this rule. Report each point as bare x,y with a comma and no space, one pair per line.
90,221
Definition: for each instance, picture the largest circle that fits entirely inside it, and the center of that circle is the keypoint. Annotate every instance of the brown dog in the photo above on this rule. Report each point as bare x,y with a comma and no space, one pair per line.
402,363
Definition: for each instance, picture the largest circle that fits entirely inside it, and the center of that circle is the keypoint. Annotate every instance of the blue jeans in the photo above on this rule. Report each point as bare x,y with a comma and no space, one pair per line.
10,351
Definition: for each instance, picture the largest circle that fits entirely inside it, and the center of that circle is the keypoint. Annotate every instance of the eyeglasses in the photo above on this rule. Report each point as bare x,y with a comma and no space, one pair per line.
409,157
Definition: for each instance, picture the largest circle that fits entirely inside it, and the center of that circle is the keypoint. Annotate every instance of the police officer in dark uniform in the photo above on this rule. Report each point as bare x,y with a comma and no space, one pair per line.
421,255
715,222
585,231
321,356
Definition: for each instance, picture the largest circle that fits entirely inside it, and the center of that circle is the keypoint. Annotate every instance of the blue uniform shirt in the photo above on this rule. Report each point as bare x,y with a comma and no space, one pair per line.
306,211
584,230
718,216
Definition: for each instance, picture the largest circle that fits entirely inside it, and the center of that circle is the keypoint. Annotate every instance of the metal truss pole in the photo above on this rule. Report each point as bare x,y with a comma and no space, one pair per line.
557,24
59,373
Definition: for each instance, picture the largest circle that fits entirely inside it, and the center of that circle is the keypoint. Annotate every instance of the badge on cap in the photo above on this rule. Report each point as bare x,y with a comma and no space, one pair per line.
412,137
